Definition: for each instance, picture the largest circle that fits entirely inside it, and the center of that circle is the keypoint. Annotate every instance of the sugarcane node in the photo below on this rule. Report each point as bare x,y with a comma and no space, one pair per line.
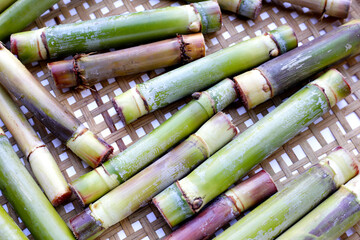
234,202
119,110
44,41
33,150
326,96
104,157
196,95
196,203
78,195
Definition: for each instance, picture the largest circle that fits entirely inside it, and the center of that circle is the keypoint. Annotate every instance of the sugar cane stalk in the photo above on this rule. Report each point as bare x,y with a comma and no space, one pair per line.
227,207
25,196
287,206
190,194
19,81
116,31
138,190
86,70
271,78
120,168
20,14
244,8
8,228
171,86
42,162
334,8
4,4
331,218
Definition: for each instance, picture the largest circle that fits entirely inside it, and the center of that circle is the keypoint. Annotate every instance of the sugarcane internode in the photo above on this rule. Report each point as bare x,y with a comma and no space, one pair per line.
244,8
120,168
227,207
86,70
8,228
29,202
20,82
271,78
204,72
138,190
332,217
116,31
190,194
287,206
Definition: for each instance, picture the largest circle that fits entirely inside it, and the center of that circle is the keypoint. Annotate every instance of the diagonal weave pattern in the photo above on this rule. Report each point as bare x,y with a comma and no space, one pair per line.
93,107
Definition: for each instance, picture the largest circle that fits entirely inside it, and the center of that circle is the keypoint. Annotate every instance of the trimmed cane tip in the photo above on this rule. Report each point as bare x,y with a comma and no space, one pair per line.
334,85
211,17
130,106
85,226
338,8
63,73
250,8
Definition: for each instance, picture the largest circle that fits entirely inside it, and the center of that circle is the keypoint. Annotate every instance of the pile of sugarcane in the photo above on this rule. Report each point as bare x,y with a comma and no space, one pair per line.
193,179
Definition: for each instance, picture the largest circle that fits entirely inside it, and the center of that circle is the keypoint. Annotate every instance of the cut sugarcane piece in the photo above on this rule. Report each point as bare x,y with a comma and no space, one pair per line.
29,202
8,228
244,8
173,85
116,31
41,161
233,161
287,206
4,4
271,78
227,207
138,190
334,8
331,218
19,81
20,14
118,169
86,70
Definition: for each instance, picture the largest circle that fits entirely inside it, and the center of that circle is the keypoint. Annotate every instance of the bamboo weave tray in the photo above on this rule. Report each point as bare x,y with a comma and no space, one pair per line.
339,127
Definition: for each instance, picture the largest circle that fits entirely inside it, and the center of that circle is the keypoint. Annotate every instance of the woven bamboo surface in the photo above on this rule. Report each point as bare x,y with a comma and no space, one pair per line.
92,106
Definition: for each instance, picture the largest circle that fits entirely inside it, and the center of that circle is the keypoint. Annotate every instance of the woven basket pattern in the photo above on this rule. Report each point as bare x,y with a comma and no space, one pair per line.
93,107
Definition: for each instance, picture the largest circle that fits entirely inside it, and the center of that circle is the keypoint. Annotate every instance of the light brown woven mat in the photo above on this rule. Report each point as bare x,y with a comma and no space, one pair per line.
340,127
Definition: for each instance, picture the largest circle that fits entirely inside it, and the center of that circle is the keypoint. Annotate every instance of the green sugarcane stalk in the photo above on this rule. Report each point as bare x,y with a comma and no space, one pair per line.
42,162
331,218
334,8
20,14
227,207
29,202
116,31
171,86
4,4
189,195
138,191
19,81
244,8
120,168
287,206
86,70
271,78
8,228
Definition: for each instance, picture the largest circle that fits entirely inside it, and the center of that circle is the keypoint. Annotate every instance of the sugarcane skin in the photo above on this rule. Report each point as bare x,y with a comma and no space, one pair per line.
8,228
20,14
5,4
91,186
306,60
28,200
284,208
329,220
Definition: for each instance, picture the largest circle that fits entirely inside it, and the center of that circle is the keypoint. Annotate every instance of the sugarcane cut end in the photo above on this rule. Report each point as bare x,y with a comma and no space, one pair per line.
342,164
192,47
64,73
172,205
334,85
285,38
210,13
130,105
337,8
249,8
85,226
253,88
90,148
30,46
